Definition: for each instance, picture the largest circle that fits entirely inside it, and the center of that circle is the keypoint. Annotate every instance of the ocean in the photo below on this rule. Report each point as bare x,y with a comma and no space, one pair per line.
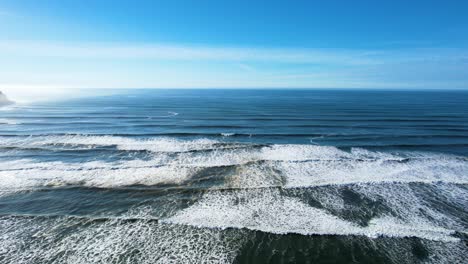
236,176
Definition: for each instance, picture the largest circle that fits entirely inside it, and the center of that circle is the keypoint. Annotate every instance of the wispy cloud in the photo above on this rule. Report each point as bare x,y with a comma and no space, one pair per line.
177,65
186,52
215,53
246,67
8,14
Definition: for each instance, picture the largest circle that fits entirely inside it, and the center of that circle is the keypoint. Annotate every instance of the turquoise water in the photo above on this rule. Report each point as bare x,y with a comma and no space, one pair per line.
236,176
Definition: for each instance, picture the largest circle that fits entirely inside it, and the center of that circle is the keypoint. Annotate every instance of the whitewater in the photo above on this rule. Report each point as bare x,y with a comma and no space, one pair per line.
228,176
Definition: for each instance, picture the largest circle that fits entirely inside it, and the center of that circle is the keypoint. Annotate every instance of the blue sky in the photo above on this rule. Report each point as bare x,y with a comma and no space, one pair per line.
216,44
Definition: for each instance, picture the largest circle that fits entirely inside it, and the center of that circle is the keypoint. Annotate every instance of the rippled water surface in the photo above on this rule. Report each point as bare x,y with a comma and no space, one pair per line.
236,176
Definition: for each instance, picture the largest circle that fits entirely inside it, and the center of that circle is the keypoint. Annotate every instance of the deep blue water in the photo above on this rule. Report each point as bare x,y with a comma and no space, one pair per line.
243,176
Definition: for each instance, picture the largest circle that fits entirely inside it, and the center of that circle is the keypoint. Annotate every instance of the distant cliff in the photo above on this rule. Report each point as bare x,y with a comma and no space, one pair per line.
4,100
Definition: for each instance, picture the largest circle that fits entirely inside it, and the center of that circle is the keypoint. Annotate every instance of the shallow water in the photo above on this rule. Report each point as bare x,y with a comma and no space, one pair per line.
236,176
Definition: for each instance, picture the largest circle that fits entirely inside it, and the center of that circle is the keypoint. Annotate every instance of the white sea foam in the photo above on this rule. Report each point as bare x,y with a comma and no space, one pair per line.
4,121
29,240
122,143
289,166
92,174
269,211
169,114
374,171
446,253
413,203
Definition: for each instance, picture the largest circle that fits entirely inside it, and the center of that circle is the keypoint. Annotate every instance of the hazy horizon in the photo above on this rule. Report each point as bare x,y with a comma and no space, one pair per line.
29,95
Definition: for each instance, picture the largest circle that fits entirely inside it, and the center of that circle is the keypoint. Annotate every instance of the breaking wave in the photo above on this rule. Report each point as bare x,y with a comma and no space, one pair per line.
268,211
236,177
110,240
239,165
263,187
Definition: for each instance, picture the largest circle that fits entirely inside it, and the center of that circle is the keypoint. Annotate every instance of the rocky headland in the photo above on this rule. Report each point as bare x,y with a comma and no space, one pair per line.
4,100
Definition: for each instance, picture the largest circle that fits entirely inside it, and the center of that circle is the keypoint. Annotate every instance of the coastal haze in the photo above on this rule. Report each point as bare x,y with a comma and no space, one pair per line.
243,176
